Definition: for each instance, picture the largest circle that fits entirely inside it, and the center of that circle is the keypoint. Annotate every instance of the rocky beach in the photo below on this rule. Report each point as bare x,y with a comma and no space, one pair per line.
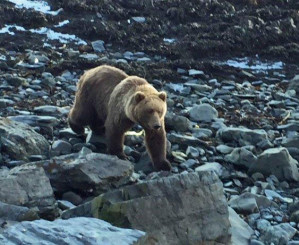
231,73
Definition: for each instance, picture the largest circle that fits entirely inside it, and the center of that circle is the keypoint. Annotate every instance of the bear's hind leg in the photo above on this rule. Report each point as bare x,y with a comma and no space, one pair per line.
75,123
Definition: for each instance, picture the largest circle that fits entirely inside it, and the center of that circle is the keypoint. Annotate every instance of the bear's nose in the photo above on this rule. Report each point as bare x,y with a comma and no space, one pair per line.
157,127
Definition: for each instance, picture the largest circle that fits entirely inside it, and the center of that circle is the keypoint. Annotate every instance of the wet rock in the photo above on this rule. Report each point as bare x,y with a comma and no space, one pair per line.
276,161
14,80
28,185
211,166
295,216
242,136
203,113
77,231
241,231
90,173
224,149
184,140
6,103
244,204
49,110
20,141
294,85
291,142
188,195
33,120
60,147
271,195
178,123
202,133
67,133
64,205
278,234
17,213
48,80
241,157
293,126
98,46
89,57
193,72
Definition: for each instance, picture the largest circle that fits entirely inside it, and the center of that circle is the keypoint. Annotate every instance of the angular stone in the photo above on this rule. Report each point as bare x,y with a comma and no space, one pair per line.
28,185
33,120
244,204
81,230
180,209
50,110
93,173
241,157
211,166
16,213
276,161
20,141
98,46
61,147
241,231
242,136
178,123
184,140
203,113
278,234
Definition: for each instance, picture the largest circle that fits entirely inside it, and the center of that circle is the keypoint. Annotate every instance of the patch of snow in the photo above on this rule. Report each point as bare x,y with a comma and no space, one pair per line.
62,23
7,27
37,5
51,35
244,63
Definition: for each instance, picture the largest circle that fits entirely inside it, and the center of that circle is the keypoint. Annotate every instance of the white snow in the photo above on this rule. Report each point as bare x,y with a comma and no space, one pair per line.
37,5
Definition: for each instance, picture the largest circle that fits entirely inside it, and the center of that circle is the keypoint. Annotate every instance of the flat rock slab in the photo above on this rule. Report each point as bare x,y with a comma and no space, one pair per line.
276,161
242,136
180,209
241,231
76,231
28,186
20,141
94,173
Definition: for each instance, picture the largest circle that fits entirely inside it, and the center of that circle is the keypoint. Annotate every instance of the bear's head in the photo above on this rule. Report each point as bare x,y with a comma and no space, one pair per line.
148,109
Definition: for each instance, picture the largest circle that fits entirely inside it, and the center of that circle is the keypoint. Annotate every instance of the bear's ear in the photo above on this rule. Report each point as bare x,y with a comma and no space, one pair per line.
162,96
139,96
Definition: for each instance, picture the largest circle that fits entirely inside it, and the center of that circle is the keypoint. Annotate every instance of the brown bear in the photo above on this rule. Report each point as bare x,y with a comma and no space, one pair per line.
108,100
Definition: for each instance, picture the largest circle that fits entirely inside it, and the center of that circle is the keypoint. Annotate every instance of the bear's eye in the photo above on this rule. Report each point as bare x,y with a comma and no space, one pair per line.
150,111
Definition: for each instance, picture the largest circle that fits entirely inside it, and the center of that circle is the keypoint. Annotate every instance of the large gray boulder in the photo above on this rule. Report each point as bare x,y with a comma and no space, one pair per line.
16,213
180,209
278,234
242,136
241,157
203,113
74,231
28,185
20,141
91,173
276,161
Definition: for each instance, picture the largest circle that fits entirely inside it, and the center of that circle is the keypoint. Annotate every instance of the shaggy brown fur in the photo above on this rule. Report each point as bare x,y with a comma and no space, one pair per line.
110,101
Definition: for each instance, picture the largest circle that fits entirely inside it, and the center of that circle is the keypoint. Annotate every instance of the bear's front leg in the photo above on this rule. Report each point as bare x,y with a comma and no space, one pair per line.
115,129
155,141
115,142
